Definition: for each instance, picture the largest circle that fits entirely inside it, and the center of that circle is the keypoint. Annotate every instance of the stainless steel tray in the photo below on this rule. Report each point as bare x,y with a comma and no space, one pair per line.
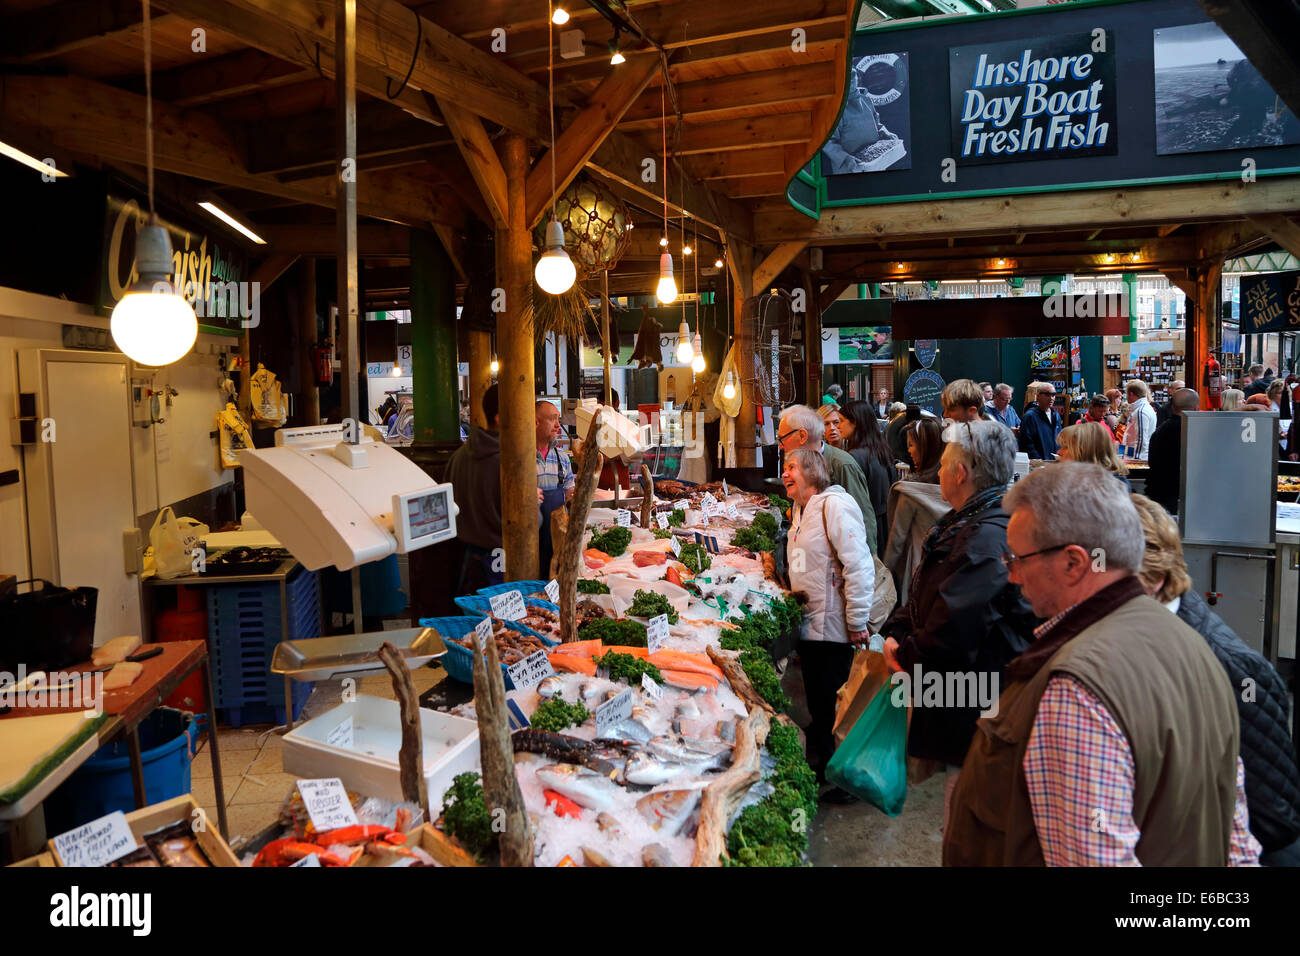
320,658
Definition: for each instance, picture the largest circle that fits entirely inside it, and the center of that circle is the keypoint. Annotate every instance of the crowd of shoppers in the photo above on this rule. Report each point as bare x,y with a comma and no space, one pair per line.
1070,594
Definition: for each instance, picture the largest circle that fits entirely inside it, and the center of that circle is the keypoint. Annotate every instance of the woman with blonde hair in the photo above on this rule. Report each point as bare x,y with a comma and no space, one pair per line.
1233,399
1089,442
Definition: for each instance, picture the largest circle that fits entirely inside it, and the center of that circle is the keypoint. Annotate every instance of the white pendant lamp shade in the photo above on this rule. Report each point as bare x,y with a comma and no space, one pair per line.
697,363
151,323
555,272
666,292
685,353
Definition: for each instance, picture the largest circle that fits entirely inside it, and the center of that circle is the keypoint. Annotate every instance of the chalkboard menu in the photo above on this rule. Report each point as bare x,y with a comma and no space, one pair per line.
924,387
1270,302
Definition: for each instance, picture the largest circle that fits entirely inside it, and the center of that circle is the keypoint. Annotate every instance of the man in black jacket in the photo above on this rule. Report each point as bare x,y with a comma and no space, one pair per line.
1272,778
1166,411
1165,453
963,617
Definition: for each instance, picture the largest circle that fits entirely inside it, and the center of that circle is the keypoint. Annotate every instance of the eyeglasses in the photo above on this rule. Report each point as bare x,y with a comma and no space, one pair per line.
1011,560
780,439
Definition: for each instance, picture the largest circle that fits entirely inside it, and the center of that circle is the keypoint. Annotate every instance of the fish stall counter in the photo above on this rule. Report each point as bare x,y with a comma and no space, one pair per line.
633,724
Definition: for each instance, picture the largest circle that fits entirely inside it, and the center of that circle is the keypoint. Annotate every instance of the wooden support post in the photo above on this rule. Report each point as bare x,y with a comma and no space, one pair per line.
740,259
812,337
310,410
517,393
480,373
1203,312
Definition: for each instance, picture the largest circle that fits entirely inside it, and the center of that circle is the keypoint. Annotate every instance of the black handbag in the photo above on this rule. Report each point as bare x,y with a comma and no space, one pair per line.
47,629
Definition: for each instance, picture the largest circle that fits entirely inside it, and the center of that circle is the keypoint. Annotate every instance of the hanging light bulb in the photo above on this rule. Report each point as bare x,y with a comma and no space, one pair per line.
717,263
151,323
555,272
697,363
663,241
687,250
495,366
560,17
666,292
615,54
729,387
685,353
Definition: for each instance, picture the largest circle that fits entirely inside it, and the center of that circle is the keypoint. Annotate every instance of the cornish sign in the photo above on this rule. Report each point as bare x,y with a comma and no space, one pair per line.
1040,98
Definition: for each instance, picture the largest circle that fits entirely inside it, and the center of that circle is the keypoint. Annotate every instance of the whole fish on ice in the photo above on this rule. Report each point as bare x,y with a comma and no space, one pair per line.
584,787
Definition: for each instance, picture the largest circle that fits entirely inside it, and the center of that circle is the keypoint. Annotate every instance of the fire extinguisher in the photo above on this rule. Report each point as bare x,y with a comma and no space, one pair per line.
322,358
1213,383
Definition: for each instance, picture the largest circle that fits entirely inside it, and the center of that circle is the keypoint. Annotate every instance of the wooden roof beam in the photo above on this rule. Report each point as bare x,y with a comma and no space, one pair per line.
1044,212
49,31
481,157
1281,229
586,132
444,65
95,119
774,263
224,77
272,35
744,134
767,88
374,239
731,165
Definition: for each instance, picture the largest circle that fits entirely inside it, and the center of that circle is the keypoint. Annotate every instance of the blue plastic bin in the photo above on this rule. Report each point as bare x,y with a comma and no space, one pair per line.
458,661
103,783
523,587
481,607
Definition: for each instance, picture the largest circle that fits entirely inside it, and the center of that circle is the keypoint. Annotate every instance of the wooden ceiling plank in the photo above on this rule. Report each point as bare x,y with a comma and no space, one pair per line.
744,133
305,141
774,263
586,132
766,88
374,239
247,71
731,165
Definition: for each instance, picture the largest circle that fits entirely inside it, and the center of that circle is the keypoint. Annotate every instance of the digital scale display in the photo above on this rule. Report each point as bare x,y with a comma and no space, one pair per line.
427,514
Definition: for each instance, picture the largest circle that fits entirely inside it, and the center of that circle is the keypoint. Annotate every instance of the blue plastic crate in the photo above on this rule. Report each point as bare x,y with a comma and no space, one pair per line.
458,661
244,626
523,587
481,606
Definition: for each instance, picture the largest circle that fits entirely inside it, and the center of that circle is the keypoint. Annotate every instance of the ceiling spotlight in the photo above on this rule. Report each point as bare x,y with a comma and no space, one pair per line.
560,17
615,54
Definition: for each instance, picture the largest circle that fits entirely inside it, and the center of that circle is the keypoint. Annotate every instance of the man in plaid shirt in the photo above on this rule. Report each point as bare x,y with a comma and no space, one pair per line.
554,476
1115,741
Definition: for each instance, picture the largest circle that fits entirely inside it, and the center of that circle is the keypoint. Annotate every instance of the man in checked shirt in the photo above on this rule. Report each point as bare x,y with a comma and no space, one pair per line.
1115,739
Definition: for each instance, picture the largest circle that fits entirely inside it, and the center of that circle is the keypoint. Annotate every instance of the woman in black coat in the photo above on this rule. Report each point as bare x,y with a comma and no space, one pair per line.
862,438
1272,778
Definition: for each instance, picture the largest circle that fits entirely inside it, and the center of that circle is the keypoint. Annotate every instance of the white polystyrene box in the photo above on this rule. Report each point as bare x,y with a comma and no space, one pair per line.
370,765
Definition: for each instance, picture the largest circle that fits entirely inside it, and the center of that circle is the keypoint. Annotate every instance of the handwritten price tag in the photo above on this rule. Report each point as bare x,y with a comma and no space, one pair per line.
327,803
484,631
661,519
553,591
531,670
309,860
725,491
623,517
676,545
732,512
656,633
508,606
98,842
613,712
342,735
679,504
652,689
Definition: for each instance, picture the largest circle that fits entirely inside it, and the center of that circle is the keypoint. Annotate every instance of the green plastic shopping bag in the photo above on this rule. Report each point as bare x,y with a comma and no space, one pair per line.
872,762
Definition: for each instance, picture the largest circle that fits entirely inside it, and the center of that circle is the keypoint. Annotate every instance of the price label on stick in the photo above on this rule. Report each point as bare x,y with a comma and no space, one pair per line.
341,736
652,689
614,711
707,503
676,545
732,512
553,591
484,631
623,517
531,670
679,504
725,492
656,633
508,606
98,842
327,803
661,519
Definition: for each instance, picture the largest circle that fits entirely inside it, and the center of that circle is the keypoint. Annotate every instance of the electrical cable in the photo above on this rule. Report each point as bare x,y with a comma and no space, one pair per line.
415,55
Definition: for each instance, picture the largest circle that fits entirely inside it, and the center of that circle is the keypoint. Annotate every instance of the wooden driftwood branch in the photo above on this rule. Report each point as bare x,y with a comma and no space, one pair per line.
723,796
497,756
411,756
739,681
570,550
647,496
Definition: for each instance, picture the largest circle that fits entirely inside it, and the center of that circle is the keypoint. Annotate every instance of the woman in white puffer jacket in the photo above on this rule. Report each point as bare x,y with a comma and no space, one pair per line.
831,564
